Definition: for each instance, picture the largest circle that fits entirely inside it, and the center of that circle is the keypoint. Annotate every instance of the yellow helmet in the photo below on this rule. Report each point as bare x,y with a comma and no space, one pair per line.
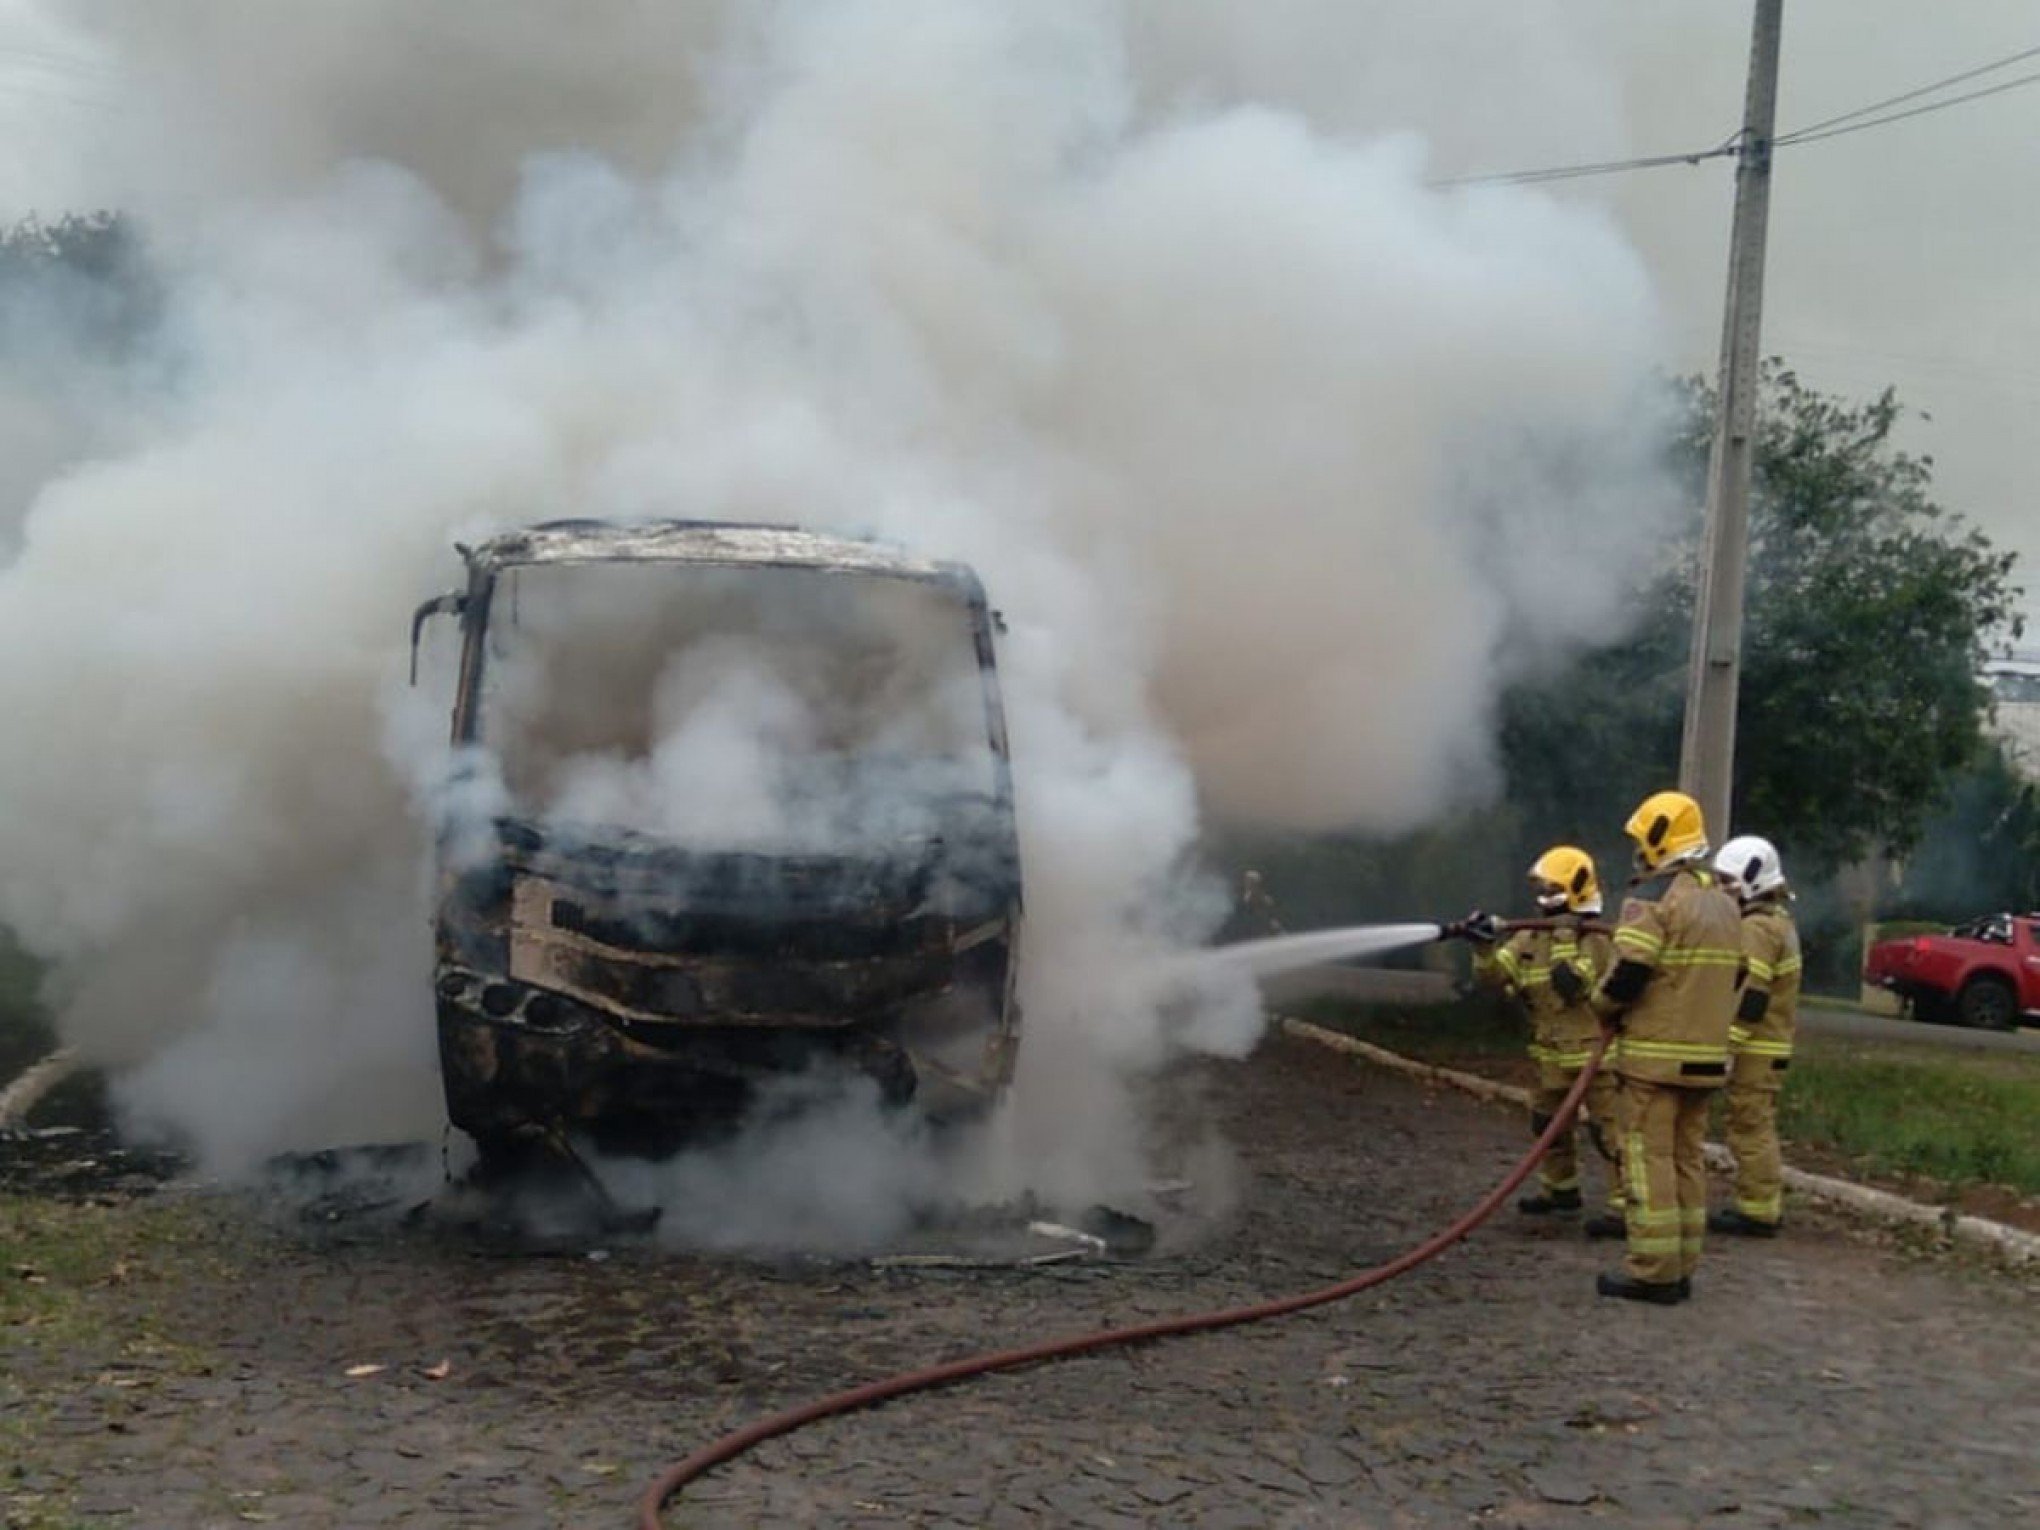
1667,828
1563,877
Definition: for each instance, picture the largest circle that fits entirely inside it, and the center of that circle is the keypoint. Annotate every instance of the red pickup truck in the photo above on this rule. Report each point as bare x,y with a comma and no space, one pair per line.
1985,972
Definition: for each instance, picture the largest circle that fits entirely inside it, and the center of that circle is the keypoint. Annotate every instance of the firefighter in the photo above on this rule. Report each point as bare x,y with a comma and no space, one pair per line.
1672,995
1256,906
1760,1041
1551,972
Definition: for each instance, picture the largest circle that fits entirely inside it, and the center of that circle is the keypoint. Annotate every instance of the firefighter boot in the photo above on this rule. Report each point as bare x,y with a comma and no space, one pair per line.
1661,1293
1558,1187
1729,1220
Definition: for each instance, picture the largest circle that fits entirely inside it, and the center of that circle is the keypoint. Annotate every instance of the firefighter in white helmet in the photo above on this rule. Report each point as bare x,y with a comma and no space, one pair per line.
1672,993
1550,972
1760,1040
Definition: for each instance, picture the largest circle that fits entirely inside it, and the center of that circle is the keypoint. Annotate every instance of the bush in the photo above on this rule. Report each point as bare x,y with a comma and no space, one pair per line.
25,1033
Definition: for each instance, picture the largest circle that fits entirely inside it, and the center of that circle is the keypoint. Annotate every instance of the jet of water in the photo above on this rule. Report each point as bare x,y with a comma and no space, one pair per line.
1280,953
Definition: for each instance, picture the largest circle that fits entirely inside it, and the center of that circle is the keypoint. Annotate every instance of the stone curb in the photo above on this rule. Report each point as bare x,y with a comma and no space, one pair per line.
1862,1199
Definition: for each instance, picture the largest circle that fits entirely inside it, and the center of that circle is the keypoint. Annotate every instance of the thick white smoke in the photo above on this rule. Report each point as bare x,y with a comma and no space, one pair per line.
1277,463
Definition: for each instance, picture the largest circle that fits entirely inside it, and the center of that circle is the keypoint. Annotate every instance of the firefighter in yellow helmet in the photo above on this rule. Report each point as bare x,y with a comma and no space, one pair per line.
1551,972
1672,994
1760,1041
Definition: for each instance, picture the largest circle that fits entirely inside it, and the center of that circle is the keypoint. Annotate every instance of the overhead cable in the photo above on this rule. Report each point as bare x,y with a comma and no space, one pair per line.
1910,95
1854,121
1808,135
1603,167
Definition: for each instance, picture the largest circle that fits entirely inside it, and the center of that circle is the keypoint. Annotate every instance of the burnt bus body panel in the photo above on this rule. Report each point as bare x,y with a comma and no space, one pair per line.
612,985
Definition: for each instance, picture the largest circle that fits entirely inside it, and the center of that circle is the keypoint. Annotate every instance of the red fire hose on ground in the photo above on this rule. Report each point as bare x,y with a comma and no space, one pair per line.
737,1442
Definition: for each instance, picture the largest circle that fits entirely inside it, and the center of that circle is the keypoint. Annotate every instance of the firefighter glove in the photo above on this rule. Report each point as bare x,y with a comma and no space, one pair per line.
1482,929
1566,982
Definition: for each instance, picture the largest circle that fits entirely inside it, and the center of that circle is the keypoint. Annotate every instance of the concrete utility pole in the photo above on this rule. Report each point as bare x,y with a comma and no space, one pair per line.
1707,750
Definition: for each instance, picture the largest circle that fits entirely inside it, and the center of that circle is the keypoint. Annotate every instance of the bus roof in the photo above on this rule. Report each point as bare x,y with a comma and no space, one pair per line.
728,544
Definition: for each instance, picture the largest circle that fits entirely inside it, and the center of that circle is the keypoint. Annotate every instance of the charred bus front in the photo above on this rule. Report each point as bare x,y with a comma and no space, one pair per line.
729,803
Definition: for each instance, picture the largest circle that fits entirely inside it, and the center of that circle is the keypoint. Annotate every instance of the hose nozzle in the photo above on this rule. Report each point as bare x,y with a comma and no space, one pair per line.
1480,928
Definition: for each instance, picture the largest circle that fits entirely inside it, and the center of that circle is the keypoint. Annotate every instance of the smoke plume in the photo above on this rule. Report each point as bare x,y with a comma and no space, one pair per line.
1277,463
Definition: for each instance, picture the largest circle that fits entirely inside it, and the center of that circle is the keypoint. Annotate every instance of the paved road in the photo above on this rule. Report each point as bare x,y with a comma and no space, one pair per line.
1821,1378
1824,1020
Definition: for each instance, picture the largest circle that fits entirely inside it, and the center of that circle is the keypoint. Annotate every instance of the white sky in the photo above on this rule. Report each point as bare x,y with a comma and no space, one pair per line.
1905,255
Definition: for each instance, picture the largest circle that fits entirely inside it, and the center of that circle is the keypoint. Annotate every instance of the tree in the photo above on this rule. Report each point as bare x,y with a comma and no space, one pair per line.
87,271
1870,611
97,244
1981,851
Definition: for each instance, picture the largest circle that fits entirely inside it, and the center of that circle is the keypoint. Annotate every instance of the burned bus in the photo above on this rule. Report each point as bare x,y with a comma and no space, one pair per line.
729,804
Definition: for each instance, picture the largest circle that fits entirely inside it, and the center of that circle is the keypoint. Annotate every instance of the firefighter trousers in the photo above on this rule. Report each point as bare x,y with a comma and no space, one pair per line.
1561,1167
1665,1175
1753,1086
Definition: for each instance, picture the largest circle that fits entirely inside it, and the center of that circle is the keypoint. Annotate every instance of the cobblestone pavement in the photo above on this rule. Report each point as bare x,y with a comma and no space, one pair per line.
1826,1378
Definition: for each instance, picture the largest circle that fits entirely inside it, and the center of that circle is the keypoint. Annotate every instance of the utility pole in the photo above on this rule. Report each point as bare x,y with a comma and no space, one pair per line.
1707,749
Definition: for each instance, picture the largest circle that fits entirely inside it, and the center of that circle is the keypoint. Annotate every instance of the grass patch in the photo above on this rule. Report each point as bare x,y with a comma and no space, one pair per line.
63,1267
1894,1108
1958,1118
79,1290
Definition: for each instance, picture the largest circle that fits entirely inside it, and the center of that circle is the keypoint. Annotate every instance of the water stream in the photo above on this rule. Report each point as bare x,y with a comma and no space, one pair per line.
1280,953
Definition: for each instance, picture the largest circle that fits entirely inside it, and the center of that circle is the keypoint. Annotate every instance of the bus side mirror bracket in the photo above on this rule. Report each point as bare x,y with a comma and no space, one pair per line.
439,605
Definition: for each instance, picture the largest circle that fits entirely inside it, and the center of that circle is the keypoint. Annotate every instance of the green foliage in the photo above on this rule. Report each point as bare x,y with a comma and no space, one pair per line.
85,275
1910,1111
1981,851
80,1274
1438,873
1583,748
97,244
1870,615
25,1032
1870,610
1957,1118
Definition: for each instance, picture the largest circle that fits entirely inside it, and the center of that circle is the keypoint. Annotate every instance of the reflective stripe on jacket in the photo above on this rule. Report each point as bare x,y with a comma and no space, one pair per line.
1561,1033
1772,961
1689,937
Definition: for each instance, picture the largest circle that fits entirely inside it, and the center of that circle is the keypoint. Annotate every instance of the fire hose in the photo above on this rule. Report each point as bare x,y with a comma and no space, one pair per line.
1457,929
851,1399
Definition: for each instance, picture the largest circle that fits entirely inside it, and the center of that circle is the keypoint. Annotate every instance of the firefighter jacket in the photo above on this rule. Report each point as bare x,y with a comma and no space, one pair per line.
1562,1030
1769,1006
1678,953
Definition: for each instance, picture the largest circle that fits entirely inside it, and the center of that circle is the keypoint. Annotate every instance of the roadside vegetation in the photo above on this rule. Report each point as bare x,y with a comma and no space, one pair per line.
1875,1109
74,1297
1870,607
24,1033
59,1255
26,1036
1959,1118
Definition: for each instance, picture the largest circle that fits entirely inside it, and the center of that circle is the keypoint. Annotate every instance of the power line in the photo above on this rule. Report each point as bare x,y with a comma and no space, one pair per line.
1602,167
1910,95
1808,135
1829,127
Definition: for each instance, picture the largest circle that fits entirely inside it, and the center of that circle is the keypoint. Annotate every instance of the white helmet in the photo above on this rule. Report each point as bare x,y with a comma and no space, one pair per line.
1749,865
